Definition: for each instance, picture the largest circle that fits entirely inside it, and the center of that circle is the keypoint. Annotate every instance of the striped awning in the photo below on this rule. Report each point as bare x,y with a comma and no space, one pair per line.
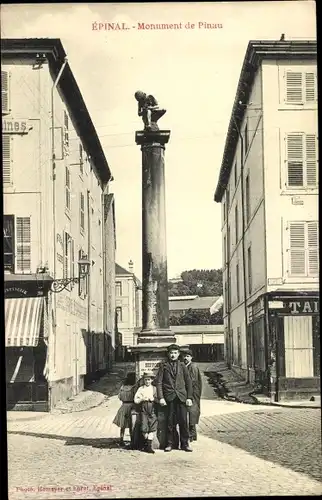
23,321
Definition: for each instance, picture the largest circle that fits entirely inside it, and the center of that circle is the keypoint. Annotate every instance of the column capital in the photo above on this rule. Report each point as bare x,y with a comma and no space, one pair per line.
150,138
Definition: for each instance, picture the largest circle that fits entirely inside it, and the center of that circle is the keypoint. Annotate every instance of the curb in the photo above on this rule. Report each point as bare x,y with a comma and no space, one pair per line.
76,410
281,405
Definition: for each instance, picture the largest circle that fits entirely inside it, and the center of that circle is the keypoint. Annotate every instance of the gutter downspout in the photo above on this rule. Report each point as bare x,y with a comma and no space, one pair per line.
89,255
54,324
243,235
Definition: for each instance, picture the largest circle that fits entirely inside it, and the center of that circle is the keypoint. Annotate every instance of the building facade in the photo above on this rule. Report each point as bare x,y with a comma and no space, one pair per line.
128,292
268,190
57,210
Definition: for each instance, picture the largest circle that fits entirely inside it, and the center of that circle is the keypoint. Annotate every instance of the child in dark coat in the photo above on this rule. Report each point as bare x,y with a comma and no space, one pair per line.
123,418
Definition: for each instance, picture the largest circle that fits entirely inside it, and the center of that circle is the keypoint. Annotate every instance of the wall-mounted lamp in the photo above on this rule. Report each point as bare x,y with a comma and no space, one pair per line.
83,271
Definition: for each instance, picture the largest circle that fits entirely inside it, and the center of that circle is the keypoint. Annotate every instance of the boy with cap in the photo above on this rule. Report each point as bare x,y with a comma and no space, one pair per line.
174,390
146,396
194,410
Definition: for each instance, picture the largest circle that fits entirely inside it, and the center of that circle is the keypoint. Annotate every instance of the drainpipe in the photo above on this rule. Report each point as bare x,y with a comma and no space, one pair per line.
89,255
54,185
243,234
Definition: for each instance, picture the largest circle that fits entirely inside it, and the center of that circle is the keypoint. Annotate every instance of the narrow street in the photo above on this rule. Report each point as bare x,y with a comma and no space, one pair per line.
241,450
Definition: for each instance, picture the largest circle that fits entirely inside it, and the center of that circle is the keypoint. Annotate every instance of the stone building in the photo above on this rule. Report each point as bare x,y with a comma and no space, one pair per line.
268,190
57,211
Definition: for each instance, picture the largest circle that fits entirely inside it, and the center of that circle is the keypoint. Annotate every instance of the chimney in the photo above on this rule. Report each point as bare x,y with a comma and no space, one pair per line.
131,266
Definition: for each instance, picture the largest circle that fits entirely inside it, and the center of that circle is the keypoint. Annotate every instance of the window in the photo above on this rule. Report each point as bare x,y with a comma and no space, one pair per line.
247,199
301,158
72,258
66,134
304,248
81,159
67,188
82,212
17,244
229,292
5,92
301,87
9,243
235,173
67,256
236,224
249,262
119,314
23,247
227,201
83,282
239,360
118,289
7,160
246,139
237,284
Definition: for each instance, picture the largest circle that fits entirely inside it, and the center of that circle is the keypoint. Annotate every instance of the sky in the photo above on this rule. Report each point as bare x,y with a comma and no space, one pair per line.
193,73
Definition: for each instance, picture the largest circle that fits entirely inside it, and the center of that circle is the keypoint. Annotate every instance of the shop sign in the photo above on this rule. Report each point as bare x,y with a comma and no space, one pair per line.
16,289
302,307
15,127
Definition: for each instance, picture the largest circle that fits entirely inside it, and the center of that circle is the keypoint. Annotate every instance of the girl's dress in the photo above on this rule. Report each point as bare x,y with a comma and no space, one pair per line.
123,418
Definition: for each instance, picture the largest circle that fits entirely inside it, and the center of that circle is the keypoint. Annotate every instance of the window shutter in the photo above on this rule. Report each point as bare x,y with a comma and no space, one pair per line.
6,155
313,248
294,155
294,86
66,252
5,78
72,259
81,159
23,248
67,187
311,160
310,87
297,248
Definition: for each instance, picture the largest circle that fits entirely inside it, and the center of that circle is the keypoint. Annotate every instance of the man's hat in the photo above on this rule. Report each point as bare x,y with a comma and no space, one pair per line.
148,375
188,351
173,347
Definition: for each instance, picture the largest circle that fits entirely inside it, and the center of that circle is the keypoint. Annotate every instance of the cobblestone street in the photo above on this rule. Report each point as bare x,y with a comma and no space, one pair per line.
241,450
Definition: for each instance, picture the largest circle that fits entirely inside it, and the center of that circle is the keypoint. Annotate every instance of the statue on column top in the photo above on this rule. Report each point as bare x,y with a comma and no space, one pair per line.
149,109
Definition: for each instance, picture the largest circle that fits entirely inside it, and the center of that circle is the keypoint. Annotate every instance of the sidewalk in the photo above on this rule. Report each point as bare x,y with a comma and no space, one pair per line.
229,386
97,394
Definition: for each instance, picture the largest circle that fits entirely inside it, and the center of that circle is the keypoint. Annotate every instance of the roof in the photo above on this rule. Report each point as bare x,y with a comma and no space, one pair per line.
183,297
194,304
55,55
197,329
120,270
256,52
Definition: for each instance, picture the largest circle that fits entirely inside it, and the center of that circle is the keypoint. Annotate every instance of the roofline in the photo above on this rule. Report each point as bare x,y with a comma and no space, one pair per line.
55,55
256,52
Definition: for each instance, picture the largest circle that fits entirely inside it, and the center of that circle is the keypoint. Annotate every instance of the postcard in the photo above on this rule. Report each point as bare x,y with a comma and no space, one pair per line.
161,249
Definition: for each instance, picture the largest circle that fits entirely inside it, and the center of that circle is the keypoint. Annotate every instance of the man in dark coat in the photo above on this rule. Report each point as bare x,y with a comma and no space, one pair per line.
174,390
194,410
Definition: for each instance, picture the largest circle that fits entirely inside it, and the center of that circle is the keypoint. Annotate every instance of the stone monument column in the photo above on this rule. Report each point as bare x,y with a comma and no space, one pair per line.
155,335
155,302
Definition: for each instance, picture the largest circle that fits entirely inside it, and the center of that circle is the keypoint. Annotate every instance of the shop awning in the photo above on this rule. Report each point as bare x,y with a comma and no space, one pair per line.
23,321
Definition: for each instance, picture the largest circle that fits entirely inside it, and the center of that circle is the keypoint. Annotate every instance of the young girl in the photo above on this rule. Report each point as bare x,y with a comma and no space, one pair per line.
146,397
123,418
